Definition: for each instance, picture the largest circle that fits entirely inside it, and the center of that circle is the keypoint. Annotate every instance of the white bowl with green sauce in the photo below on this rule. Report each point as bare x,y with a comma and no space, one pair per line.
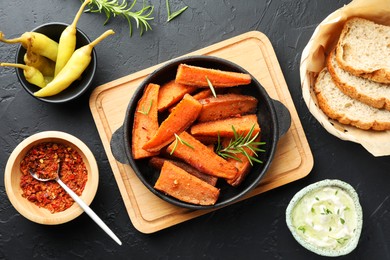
326,218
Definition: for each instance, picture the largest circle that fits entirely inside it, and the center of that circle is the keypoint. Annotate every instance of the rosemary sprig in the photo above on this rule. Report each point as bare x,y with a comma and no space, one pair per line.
114,8
172,16
238,145
147,110
177,140
211,87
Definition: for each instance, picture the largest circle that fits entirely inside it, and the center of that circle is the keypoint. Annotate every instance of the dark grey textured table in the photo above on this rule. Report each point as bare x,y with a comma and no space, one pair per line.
252,229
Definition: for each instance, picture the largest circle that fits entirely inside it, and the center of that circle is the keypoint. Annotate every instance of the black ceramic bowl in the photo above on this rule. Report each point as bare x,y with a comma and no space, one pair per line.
78,87
273,117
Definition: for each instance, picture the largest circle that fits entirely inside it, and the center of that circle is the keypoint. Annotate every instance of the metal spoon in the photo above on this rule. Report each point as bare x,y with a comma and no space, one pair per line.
81,203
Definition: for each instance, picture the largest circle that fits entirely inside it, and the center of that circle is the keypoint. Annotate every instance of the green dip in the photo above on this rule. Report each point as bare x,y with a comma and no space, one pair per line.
326,218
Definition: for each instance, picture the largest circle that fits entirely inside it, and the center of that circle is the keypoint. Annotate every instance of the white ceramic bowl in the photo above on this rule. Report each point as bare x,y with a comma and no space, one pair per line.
352,242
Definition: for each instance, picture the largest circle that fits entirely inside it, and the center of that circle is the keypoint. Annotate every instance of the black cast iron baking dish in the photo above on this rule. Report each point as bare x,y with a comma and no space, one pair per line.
273,117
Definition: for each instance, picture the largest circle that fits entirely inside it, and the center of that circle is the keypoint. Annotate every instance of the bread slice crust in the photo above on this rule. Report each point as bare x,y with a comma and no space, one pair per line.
367,91
363,49
340,107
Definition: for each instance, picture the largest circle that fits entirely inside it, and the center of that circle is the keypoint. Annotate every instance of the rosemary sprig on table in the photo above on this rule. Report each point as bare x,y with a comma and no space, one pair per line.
114,8
238,145
177,140
172,16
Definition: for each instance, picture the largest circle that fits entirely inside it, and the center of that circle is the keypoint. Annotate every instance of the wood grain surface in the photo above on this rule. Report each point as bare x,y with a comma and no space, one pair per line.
253,51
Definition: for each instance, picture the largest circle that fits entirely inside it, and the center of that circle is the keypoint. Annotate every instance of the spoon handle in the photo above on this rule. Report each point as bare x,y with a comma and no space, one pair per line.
89,211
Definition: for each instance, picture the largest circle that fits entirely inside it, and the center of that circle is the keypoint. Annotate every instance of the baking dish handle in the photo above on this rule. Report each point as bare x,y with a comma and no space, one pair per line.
283,116
117,145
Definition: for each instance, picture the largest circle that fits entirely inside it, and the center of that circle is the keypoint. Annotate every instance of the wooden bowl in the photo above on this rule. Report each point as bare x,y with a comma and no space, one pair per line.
13,174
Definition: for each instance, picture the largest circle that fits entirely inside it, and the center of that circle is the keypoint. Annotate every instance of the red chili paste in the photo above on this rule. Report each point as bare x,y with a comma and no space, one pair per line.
44,159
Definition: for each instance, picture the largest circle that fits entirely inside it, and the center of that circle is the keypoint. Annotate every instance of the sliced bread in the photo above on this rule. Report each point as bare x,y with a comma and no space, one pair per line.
364,49
338,106
367,91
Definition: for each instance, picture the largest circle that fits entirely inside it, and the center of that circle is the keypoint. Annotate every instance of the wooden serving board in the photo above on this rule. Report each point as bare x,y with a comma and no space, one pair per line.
253,51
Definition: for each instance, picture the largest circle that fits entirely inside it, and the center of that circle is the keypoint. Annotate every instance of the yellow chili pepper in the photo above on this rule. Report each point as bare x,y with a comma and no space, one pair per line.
43,64
40,43
48,79
67,42
73,69
31,74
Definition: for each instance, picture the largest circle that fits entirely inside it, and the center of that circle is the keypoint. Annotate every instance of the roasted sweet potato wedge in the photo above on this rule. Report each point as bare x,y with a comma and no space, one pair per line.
145,122
181,185
223,127
207,140
157,163
203,94
242,164
201,157
197,76
243,167
225,106
170,93
181,117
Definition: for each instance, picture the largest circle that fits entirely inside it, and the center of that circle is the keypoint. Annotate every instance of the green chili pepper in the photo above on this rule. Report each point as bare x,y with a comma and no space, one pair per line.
40,43
43,64
67,42
31,74
73,69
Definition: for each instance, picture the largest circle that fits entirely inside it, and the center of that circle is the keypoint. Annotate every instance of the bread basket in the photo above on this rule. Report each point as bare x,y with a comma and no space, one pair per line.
323,39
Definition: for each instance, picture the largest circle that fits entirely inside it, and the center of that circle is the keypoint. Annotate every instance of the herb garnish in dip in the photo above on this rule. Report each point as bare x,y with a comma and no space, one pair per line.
326,218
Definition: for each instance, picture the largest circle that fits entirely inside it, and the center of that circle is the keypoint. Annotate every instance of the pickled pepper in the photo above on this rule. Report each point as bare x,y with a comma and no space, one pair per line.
67,42
73,68
31,74
40,43
43,64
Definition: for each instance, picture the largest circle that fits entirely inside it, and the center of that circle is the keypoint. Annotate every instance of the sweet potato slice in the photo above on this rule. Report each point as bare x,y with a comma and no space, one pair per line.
181,117
183,186
203,94
225,106
197,76
145,122
243,165
207,140
223,127
157,163
170,93
201,157
206,93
